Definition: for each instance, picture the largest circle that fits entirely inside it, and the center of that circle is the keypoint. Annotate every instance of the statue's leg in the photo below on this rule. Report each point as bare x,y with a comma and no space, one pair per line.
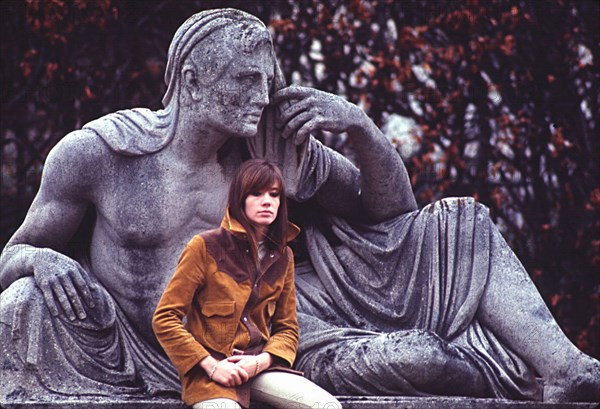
413,362
45,356
514,310
18,364
50,355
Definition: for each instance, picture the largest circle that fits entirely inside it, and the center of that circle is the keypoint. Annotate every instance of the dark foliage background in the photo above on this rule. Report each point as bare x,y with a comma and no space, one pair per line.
499,100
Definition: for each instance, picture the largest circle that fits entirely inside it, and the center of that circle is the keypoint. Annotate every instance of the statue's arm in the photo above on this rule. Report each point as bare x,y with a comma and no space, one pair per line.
381,190
54,216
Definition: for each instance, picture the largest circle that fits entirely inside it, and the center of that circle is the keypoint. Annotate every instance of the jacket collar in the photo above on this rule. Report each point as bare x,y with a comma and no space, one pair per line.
234,227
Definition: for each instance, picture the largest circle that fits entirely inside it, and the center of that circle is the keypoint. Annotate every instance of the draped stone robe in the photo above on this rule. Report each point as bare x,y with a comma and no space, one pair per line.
391,308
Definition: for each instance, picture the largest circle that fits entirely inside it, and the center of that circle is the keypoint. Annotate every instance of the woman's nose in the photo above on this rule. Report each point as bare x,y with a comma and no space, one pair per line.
267,200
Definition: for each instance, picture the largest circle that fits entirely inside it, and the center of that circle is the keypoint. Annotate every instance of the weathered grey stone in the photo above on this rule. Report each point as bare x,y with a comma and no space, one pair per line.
392,300
388,402
349,402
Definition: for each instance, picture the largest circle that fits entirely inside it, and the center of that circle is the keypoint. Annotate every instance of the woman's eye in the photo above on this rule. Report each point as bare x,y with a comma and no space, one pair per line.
274,194
256,194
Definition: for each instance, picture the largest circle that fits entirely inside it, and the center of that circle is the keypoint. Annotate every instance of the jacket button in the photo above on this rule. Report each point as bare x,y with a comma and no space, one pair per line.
245,319
272,255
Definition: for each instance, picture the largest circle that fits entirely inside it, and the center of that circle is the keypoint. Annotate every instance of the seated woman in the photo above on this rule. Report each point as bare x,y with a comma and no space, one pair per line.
227,319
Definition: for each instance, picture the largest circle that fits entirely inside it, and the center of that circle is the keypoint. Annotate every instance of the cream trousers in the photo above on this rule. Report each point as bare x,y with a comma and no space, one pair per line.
281,390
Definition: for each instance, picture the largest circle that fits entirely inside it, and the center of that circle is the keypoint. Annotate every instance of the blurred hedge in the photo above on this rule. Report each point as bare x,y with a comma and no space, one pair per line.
493,99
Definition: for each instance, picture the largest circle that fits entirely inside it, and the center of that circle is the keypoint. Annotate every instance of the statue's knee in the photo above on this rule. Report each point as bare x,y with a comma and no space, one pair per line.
23,287
418,349
23,290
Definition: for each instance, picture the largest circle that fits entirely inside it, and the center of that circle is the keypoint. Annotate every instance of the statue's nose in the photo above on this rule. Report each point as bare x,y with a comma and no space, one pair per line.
261,96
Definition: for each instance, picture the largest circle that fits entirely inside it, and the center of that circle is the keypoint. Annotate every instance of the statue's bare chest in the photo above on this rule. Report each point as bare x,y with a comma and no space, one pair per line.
148,207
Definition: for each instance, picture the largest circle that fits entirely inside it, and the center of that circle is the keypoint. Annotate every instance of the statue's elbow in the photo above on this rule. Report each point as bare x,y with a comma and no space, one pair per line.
378,214
6,259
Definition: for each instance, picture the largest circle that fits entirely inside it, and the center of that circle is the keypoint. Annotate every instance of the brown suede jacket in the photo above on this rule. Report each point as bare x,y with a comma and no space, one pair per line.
218,301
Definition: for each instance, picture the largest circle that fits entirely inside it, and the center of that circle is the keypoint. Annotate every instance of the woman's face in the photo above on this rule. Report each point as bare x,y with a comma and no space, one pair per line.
261,206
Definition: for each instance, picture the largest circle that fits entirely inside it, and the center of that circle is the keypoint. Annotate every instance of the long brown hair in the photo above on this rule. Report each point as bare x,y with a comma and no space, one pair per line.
256,175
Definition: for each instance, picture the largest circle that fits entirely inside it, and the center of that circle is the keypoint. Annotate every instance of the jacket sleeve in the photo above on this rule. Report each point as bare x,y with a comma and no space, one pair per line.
283,342
181,346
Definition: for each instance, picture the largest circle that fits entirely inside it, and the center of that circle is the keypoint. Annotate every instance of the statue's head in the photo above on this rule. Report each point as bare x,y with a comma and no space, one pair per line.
221,65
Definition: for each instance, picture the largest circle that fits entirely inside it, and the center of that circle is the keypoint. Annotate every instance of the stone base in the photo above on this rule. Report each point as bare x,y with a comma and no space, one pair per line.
348,402
443,402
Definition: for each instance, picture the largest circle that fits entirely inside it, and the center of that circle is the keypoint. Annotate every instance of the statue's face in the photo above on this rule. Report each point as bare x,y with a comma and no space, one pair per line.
235,101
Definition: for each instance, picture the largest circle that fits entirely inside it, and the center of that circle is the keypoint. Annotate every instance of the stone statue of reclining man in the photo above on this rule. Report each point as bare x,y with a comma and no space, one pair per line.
392,300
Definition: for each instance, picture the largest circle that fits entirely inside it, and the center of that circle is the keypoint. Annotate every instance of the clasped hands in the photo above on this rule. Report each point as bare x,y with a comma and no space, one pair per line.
235,370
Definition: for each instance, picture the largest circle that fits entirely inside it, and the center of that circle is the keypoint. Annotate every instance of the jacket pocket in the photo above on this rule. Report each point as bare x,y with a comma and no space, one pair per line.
219,308
219,324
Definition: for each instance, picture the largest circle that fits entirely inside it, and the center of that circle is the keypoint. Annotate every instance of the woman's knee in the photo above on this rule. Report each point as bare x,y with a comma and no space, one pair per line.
286,390
218,403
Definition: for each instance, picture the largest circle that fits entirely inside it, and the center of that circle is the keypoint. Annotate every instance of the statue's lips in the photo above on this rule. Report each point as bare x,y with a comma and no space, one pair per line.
253,116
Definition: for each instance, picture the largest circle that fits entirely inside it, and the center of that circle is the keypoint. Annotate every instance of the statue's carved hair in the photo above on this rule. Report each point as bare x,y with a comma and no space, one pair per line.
197,35
210,58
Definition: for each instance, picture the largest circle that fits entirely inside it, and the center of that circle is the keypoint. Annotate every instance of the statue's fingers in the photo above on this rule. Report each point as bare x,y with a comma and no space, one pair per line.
73,296
48,293
294,109
82,286
63,300
307,128
296,123
291,92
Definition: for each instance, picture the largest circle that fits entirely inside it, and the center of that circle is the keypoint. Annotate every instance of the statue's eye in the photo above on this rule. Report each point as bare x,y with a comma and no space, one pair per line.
248,78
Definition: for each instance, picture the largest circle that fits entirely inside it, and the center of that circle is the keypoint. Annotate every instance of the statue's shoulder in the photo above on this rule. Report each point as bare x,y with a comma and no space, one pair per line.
134,132
80,149
129,132
73,166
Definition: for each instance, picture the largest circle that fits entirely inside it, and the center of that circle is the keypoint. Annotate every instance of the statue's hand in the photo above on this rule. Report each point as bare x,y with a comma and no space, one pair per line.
62,282
310,109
